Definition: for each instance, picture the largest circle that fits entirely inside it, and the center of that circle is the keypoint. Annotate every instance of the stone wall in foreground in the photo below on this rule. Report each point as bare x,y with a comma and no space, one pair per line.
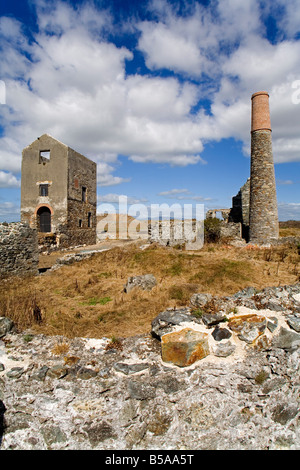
18,250
111,396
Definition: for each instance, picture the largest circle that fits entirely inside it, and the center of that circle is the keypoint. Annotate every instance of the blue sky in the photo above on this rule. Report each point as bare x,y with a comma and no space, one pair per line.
157,92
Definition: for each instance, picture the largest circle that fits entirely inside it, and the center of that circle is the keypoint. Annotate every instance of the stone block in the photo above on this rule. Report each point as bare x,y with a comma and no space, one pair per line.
145,282
184,347
248,327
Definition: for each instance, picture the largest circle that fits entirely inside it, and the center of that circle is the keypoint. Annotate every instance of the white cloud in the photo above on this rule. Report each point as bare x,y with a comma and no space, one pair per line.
284,182
114,198
165,48
174,192
288,211
9,211
183,195
105,178
8,180
72,83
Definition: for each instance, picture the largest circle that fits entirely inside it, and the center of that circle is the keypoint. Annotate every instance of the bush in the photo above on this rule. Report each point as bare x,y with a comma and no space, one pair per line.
212,230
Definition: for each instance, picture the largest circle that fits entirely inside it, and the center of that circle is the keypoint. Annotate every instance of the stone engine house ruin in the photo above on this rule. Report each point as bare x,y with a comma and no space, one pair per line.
254,213
58,193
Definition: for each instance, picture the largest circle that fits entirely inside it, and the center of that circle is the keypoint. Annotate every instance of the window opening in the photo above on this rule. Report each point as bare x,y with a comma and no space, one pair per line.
83,194
44,189
44,156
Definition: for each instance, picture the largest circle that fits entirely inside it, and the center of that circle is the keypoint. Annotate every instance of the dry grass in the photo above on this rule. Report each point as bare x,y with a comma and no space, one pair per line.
87,298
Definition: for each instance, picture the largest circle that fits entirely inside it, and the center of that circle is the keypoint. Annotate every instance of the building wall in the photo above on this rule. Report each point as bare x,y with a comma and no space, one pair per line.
65,172
35,172
18,250
82,173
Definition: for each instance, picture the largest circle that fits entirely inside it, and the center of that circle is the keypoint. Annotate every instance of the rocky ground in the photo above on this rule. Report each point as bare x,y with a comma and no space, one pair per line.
57,393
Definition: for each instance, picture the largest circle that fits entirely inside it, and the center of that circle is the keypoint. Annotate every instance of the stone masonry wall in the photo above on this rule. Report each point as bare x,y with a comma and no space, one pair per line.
18,250
263,202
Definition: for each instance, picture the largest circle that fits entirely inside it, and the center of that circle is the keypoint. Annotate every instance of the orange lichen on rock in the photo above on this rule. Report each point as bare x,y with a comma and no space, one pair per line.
184,347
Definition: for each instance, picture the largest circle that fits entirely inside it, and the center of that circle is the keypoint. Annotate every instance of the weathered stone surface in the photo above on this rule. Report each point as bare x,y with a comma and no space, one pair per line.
200,300
168,319
221,333
18,250
272,323
145,282
184,347
5,326
286,339
129,369
294,322
211,319
248,327
225,401
224,349
15,372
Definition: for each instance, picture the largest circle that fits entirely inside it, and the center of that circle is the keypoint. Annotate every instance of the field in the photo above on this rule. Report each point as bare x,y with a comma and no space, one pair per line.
87,298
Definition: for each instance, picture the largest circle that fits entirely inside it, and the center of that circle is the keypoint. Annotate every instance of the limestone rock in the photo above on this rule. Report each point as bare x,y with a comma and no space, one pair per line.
211,319
200,300
224,349
248,327
294,322
145,282
5,326
184,347
286,339
221,333
167,320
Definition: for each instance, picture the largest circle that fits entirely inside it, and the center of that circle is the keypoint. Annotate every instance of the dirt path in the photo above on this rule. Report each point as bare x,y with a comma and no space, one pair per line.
48,260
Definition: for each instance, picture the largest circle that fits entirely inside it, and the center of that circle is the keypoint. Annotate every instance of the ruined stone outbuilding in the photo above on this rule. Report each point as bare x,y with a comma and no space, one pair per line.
58,193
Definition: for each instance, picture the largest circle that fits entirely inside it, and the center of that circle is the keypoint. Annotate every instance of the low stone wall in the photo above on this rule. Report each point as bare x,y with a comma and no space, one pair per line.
18,250
231,230
176,232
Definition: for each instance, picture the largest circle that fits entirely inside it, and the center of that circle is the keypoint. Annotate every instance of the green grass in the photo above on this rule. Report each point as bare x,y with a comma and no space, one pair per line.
96,301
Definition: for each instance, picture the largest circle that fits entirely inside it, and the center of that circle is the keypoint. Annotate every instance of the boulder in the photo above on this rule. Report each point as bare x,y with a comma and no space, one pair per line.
224,349
168,319
221,333
184,347
200,300
248,327
294,322
286,339
5,326
145,282
212,319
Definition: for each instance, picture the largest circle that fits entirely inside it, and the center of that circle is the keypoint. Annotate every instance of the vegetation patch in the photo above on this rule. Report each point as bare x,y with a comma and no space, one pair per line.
87,299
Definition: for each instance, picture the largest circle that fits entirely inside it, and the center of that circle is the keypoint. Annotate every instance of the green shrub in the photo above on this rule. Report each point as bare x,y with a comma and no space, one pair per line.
212,230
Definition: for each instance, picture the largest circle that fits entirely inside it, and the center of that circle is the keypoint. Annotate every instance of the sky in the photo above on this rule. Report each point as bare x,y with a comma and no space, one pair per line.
157,92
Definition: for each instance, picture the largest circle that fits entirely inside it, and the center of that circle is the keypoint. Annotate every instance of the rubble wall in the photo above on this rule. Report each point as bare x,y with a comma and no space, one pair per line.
18,250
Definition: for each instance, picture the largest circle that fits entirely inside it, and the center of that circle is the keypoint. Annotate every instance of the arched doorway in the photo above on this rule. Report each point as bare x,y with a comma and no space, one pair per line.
44,219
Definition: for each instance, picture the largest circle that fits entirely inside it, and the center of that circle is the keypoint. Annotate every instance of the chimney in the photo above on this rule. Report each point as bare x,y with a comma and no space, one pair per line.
263,224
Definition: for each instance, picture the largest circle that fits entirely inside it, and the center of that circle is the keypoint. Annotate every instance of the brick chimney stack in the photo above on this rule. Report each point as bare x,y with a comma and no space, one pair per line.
263,224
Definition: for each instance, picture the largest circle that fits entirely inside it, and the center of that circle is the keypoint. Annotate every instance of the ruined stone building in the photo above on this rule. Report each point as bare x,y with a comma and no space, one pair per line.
239,213
58,192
